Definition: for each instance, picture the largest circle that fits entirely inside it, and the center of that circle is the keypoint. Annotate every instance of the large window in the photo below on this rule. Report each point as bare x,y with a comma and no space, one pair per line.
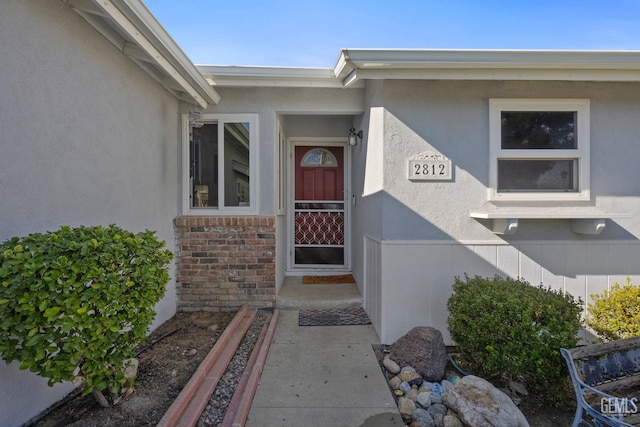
221,167
539,149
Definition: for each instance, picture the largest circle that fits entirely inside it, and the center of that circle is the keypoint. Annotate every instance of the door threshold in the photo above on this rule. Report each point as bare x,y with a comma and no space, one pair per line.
316,272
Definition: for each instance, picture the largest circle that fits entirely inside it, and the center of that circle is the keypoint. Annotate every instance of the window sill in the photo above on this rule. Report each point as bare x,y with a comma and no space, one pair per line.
580,196
505,221
228,211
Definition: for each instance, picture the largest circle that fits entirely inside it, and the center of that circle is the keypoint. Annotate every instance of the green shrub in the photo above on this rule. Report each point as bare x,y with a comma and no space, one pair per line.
75,303
615,314
510,328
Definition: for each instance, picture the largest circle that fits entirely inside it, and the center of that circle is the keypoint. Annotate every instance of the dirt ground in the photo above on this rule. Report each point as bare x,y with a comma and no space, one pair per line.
164,369
540,414
166,366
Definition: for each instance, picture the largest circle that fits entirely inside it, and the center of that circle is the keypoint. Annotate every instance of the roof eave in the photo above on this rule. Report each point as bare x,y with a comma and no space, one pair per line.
133,30
357,64
245,76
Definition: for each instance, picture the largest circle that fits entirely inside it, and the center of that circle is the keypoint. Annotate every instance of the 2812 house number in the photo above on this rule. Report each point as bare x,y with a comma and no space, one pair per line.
430,170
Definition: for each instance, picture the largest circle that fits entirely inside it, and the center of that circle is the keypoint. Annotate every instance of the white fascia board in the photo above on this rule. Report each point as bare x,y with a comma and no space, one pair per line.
153,31
491,64
558,59
134,20
238,76
343,65
495,74
87,6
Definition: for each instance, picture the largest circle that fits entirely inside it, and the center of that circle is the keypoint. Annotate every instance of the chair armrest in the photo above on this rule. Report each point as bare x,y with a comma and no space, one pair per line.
581,388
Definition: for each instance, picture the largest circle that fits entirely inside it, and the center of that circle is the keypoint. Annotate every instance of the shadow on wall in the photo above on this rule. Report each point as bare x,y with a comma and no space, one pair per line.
411,280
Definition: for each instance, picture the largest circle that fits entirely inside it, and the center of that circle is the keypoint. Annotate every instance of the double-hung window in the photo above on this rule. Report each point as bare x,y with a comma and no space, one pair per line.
539,149
219,164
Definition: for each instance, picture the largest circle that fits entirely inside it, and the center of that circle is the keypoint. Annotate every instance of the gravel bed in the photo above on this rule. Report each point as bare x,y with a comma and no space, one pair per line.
215,410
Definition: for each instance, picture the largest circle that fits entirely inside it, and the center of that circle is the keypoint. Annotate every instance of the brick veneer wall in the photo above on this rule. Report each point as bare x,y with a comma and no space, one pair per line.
225,262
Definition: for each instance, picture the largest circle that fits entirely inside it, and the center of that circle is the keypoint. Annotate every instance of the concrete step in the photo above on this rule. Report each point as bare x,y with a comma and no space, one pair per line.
294,295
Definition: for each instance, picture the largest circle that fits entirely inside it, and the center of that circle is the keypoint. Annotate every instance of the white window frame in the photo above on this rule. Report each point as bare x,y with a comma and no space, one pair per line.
187,192
581,154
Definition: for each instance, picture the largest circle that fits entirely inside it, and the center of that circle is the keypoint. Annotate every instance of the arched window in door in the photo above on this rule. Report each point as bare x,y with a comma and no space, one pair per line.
319,157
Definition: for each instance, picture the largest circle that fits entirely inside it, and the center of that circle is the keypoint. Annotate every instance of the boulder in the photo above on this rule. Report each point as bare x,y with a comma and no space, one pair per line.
422,348
479,404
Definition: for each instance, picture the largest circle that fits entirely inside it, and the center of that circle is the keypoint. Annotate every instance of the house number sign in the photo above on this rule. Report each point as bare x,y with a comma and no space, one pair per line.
430,167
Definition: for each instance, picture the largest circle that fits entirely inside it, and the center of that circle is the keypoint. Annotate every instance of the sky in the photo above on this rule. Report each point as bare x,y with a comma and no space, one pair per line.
310,33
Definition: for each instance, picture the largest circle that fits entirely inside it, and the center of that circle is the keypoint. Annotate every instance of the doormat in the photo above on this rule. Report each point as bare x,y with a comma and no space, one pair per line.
333,317
328,280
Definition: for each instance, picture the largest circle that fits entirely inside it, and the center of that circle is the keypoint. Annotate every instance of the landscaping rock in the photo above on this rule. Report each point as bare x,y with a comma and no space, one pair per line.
391,366
395,382
410,376
518,387
412,394
437,389
406,407
422,348
451,420
404,387
446,385
438,408
424,399
435,398
478,403
438,419
423,418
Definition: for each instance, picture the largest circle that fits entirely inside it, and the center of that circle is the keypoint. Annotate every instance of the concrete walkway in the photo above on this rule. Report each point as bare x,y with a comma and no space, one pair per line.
322,376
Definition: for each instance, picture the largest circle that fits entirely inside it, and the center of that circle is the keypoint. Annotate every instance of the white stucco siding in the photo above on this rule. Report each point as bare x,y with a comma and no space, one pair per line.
295,108
302,113
426,236
367,166
451,118
87,138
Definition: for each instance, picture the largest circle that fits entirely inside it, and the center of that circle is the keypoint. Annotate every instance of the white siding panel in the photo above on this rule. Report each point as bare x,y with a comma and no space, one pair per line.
530,269
508,261
394,322
553,266
440,282
634,263
373,283
486,259
619,262
576,265
474,260
461,259
417,277
598,269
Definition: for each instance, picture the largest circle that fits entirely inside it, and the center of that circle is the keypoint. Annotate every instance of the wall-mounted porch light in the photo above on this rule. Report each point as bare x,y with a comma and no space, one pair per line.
353,136
195,118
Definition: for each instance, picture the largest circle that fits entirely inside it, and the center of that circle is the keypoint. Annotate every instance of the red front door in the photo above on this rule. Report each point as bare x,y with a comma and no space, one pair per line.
319,206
